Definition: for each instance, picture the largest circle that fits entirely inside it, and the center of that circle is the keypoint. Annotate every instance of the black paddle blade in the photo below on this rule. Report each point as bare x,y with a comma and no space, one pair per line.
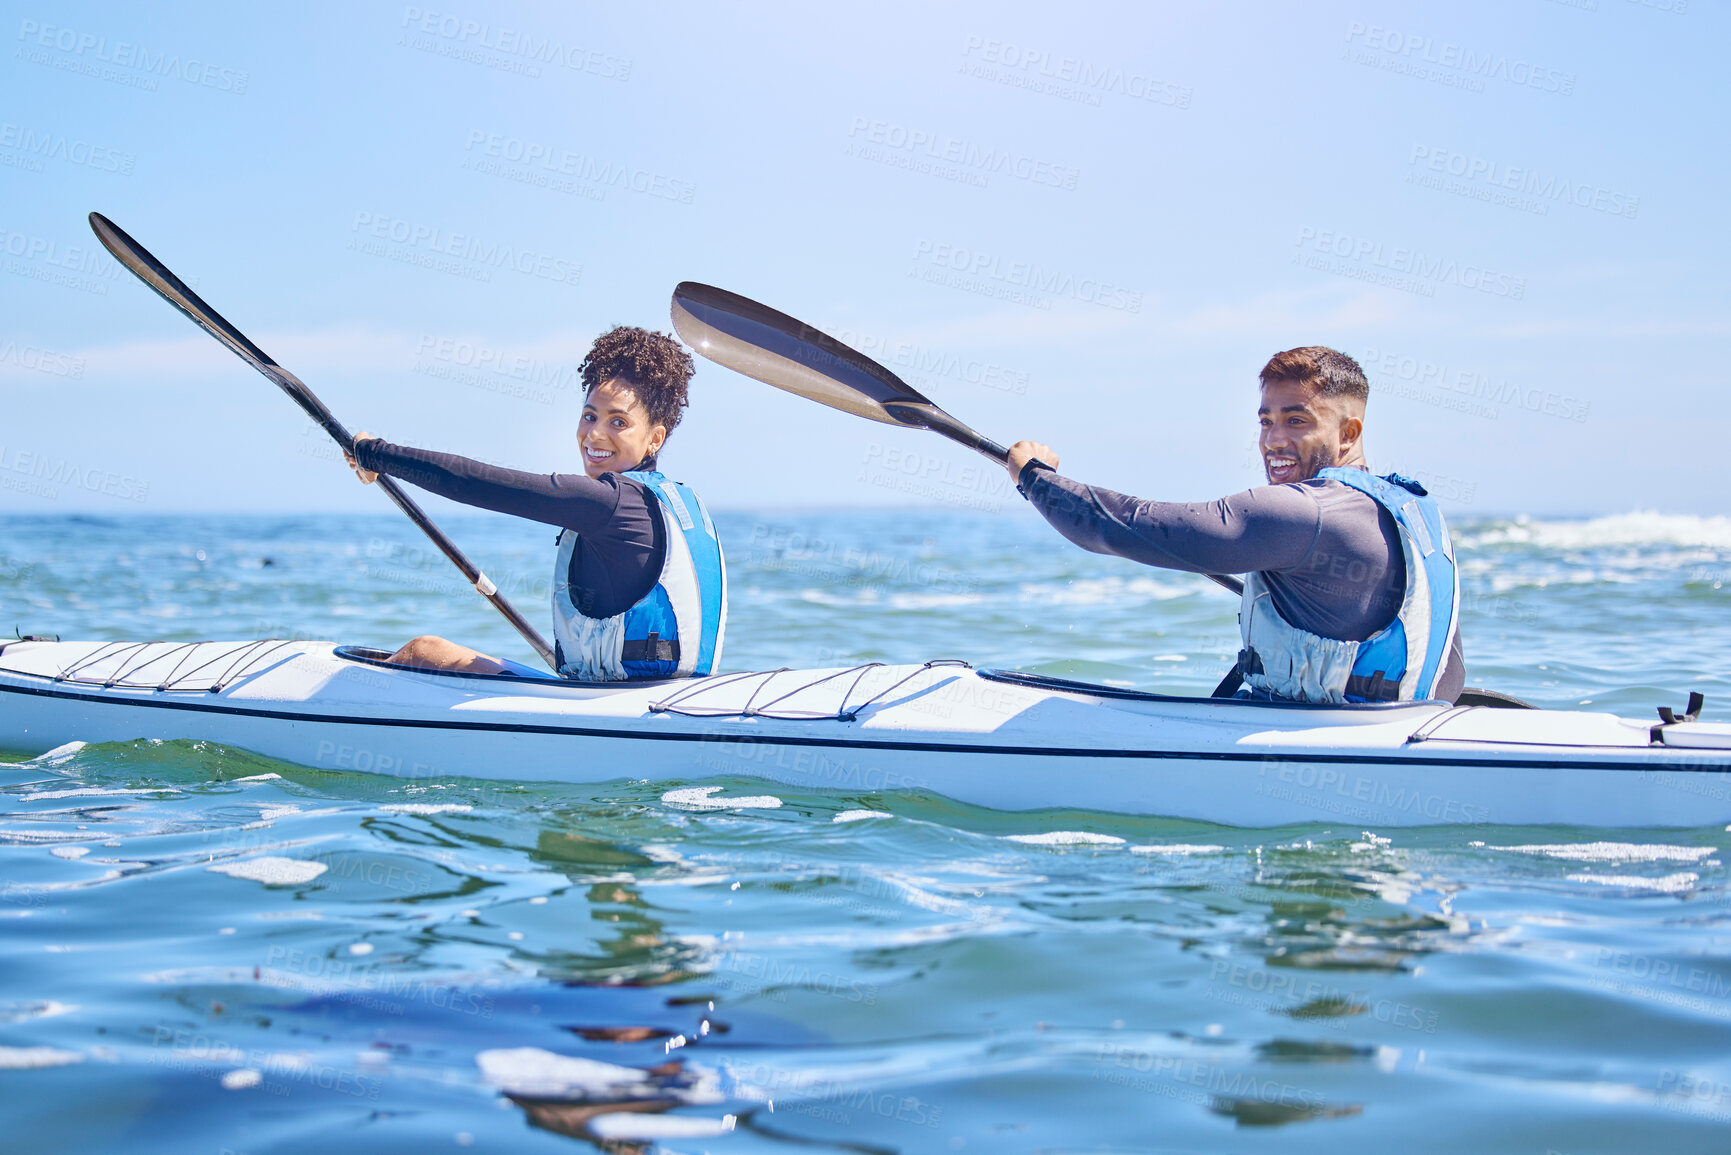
172,289
139,261
779,350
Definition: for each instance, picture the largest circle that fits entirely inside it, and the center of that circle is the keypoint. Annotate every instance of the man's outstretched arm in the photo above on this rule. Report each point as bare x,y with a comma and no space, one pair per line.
1267,528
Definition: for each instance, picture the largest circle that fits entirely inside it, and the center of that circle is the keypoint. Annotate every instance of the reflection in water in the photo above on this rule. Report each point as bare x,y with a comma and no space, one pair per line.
573,1119
1260,1113
639,951
619,1034
576,1119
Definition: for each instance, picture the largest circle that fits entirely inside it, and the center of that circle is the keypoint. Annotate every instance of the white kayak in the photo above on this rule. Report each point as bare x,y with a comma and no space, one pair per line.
1008,741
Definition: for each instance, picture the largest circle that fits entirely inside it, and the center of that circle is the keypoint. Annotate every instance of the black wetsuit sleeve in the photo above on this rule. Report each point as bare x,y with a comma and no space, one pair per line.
567,500
620,548
1270,528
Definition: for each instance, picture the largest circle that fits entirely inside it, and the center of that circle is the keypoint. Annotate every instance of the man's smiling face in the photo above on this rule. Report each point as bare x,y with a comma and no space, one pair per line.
1303,433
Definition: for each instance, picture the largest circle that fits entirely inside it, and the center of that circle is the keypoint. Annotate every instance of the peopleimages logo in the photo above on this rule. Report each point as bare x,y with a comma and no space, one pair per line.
78,258
40,359
555,161
45,470
902,146
1471,385
431,245
1021,281
1069,77
49,146
1447,62
1330,789
979,486
84,51
466,39
790,551
481,366
1406,268
1486,178
920,363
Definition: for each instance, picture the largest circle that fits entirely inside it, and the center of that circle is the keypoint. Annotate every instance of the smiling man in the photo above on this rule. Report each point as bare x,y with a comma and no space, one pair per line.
1351,593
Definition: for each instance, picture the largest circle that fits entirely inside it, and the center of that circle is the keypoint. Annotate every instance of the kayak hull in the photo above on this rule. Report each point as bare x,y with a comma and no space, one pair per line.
943,729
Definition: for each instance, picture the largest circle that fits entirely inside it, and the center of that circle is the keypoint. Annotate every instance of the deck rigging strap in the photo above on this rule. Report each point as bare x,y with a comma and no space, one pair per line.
686,703
132,659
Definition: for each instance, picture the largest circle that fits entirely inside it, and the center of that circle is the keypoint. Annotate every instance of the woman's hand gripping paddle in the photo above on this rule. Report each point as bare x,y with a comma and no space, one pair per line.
172,289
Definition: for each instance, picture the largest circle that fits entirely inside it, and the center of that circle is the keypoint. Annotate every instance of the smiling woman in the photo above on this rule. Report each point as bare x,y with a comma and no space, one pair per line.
639,583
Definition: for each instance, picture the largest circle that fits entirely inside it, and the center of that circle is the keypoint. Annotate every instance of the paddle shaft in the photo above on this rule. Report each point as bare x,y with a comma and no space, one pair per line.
139,261
931,417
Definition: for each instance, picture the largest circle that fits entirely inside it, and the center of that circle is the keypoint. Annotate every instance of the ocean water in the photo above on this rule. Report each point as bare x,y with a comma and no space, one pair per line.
492,966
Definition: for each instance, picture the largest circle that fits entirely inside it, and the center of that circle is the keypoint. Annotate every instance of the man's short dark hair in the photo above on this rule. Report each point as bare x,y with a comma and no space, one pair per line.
657,368
1327,372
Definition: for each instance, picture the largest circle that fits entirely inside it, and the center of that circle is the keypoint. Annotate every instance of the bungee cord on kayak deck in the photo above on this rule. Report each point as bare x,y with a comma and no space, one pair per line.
248,657
685,702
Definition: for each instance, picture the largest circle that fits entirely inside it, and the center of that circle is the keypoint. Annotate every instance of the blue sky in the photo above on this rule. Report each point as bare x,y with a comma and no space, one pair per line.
1086,224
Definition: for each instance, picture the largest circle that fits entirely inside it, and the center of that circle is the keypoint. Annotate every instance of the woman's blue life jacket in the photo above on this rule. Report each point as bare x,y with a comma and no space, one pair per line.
1403,661
676,629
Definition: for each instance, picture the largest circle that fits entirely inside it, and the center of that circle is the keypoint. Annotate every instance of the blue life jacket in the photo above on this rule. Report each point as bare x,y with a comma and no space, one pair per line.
676,629
1401,662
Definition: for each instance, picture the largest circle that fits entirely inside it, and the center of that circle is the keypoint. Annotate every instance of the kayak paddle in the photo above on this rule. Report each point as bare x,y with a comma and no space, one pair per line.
779,350
172,289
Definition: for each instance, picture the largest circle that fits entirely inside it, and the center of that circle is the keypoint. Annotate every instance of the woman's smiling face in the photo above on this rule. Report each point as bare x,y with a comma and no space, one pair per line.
616,432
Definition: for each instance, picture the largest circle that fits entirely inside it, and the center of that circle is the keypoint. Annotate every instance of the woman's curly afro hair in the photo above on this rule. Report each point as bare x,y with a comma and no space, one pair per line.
657,368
